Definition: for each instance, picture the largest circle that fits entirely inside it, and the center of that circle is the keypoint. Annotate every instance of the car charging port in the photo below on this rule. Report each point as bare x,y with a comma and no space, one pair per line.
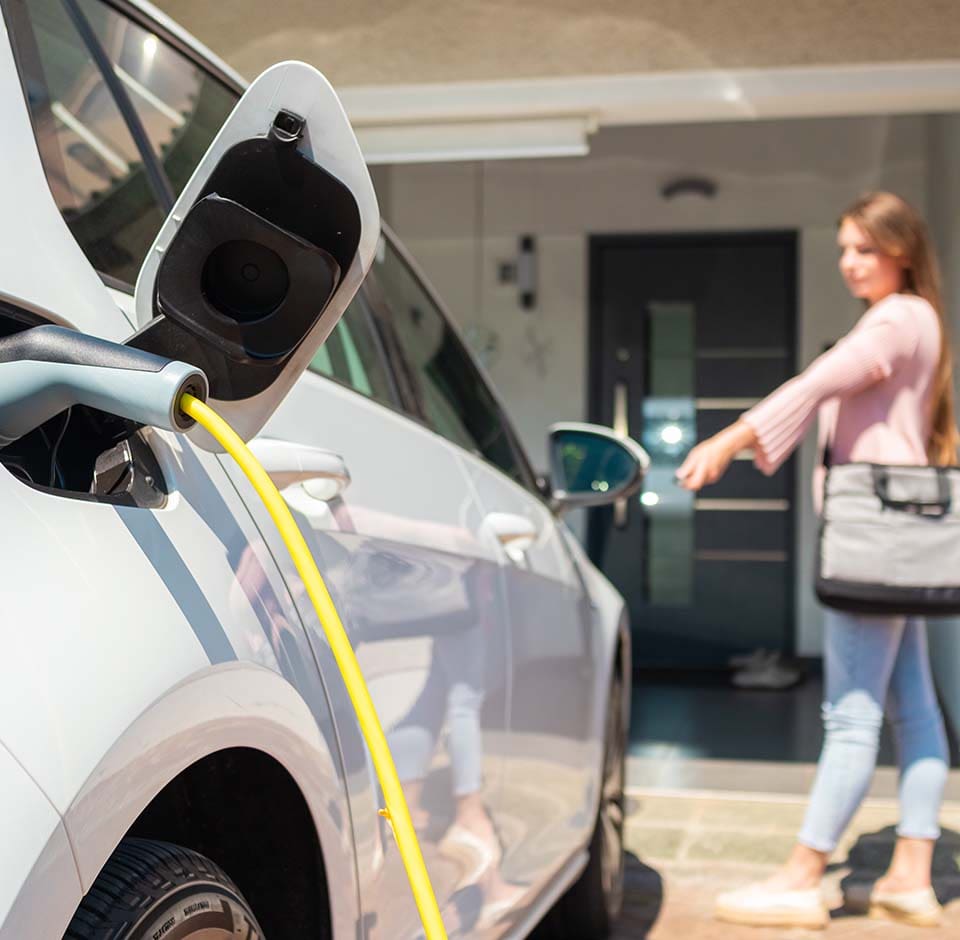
83,452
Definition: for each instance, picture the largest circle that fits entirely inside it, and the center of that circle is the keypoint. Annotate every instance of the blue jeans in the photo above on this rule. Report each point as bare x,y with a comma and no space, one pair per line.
869,662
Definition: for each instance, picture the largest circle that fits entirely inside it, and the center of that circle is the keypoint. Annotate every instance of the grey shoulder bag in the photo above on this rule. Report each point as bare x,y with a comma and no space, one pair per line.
890,540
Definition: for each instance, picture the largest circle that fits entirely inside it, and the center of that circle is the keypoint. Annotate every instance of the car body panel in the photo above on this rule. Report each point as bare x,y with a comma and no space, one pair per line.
234,704
33,854
609,636
552,690
145,605
414,577
150,595
47,899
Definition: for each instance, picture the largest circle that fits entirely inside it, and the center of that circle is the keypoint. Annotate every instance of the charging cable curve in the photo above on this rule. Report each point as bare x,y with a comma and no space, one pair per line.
396,812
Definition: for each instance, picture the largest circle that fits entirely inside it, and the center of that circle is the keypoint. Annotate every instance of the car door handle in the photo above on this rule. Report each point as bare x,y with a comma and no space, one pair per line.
322,474
515,533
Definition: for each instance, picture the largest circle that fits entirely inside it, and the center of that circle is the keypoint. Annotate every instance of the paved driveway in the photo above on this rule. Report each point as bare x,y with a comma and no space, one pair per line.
687,847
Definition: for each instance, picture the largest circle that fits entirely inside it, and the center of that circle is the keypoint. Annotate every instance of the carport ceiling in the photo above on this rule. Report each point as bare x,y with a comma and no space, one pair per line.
387,42
431,80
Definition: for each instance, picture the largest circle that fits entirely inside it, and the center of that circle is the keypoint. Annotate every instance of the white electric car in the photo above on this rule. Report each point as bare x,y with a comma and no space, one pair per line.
178,755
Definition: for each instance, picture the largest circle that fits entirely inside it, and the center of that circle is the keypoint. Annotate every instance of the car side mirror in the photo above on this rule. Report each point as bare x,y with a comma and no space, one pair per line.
592,466
264,248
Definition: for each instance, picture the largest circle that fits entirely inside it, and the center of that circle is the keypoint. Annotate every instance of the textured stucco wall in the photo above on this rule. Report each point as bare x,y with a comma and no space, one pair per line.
372,42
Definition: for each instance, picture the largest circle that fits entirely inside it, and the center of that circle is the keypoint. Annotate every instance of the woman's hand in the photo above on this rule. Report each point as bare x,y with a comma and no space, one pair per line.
708,461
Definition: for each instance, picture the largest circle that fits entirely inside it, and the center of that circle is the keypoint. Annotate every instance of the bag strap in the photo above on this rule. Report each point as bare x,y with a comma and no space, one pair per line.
925,507
826,455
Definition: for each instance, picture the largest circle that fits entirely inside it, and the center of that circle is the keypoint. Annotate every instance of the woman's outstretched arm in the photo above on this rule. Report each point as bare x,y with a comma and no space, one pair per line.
708,461
775,426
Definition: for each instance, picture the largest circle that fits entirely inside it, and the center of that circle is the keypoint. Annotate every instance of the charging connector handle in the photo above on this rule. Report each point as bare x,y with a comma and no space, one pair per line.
47,369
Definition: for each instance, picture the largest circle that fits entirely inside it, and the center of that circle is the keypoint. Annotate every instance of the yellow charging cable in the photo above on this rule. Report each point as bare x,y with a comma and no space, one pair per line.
396,812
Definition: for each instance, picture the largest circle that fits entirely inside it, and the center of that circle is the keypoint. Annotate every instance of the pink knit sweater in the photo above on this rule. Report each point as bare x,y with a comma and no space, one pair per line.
871,389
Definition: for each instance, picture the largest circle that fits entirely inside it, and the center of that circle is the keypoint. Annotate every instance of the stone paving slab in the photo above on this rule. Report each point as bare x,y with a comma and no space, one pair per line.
674,903
684,850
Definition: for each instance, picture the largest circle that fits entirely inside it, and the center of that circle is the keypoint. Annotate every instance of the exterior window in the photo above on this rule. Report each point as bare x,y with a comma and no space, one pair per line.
351,355
453,395
181,107
90,158
93,165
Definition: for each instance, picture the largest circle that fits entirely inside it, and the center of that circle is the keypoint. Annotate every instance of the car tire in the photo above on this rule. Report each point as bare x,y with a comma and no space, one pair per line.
153,889
590,908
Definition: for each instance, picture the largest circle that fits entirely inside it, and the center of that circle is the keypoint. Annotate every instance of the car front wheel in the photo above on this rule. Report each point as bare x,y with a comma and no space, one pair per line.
152,889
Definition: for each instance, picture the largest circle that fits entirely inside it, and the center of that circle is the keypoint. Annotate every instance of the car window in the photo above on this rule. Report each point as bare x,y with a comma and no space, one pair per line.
93,165
91,160
453,395
351,355
180,106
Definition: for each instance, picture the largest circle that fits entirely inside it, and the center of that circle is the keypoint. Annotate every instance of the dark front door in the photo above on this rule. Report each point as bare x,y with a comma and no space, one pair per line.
686,333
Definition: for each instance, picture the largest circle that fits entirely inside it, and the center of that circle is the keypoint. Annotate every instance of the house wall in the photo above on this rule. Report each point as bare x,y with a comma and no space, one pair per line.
461,220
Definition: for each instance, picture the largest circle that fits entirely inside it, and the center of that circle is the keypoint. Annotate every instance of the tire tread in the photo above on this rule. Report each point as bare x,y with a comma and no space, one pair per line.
137,876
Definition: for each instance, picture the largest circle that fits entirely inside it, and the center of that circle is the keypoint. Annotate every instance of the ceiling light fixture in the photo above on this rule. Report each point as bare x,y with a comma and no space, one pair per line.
689,186
475,140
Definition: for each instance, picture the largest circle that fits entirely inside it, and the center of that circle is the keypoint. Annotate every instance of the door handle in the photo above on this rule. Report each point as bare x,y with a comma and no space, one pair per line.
516,534
321,474
621,427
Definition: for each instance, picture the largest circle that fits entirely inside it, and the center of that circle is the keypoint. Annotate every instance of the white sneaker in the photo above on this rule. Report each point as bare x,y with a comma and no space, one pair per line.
759,906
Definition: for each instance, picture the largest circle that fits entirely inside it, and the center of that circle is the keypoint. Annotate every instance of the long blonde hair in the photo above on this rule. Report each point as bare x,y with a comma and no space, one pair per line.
898,230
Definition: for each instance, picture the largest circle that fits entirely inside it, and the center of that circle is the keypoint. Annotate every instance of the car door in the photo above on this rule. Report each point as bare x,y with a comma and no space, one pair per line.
397,531
551,759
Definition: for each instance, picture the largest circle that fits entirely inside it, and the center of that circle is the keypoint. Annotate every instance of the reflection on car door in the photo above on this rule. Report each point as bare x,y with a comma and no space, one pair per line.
551,761
403,553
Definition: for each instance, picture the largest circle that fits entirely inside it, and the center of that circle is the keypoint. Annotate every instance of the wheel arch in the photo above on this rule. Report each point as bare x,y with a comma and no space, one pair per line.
216,807
234,744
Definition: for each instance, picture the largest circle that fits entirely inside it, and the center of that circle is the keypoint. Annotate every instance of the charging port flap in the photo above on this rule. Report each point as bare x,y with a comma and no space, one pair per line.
264,249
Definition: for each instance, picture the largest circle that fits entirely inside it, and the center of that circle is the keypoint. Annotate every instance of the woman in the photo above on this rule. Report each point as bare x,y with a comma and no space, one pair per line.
884,395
